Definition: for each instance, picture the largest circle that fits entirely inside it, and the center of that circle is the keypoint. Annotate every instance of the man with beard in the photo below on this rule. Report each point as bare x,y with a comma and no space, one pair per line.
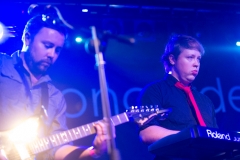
23,79
181,60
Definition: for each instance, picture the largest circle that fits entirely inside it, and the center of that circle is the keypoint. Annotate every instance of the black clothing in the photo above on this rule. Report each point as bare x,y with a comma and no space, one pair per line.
164,94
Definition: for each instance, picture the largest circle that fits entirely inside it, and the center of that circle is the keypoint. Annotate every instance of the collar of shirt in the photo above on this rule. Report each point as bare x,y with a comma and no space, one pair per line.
9,65
172,80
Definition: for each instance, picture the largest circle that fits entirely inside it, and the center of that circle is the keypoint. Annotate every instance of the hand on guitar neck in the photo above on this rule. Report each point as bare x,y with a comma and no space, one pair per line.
100,141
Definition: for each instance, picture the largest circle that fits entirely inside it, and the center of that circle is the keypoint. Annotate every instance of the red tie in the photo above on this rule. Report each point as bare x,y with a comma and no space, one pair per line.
188,91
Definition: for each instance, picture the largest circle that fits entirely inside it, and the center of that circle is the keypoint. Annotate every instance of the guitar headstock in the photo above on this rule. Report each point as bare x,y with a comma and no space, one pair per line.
144,114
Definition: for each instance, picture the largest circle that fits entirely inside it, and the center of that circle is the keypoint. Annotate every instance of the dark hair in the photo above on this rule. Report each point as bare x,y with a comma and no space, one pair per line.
175,46
36,23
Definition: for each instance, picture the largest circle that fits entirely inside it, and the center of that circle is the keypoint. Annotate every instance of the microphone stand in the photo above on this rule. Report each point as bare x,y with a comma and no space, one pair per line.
112,150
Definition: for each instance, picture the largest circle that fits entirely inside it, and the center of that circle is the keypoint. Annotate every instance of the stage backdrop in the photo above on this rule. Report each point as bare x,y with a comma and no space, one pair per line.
129,68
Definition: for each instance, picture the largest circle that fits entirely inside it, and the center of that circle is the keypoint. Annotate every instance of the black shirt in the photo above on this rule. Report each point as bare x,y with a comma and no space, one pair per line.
164,94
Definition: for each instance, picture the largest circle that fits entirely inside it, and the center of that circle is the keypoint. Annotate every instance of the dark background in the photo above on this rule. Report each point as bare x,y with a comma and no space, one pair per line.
130,67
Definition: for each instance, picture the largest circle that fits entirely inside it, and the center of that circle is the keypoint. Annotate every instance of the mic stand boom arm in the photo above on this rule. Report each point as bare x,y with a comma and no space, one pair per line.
112,151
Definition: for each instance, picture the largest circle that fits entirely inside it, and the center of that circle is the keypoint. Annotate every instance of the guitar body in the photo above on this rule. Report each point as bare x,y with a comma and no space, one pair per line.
14,143
12,151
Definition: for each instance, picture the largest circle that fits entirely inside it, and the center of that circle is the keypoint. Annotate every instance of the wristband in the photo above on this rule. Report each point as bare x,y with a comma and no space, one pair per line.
92,153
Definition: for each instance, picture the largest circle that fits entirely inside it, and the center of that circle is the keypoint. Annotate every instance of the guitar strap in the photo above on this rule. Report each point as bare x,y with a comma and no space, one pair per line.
44,107
45,98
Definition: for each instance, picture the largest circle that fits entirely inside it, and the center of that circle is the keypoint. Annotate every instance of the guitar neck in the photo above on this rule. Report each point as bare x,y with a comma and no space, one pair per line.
70,135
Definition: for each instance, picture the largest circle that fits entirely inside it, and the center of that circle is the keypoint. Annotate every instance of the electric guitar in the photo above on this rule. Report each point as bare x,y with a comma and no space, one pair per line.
21,149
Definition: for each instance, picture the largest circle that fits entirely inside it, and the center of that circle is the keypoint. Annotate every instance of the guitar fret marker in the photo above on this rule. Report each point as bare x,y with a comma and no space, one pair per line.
59,140
46,143
79,132
54,140
112,122
119,119
70,134
75,133
64,136
40,144
84,130
35,146
89,128
126,116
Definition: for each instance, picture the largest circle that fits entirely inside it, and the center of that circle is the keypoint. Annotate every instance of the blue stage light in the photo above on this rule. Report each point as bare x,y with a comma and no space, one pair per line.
78,39
238,43
3,33
84,10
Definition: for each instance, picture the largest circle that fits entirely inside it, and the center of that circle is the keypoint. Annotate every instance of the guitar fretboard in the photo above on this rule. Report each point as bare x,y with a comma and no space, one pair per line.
70,135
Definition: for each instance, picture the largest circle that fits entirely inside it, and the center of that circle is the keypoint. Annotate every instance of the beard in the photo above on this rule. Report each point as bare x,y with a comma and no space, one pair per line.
37,67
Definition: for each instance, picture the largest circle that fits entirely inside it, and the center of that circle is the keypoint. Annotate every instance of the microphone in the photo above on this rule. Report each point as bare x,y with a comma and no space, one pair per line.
105,35
120,38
